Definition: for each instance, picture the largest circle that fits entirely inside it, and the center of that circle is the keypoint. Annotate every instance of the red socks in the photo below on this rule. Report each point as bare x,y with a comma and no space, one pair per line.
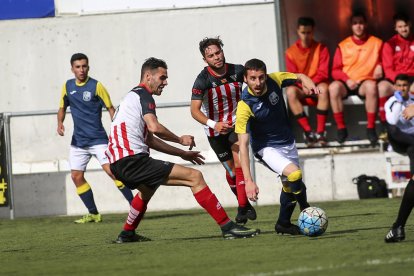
232,183
321,116
339,120
241,188
371,120
303,122
381,103
209,202
136,213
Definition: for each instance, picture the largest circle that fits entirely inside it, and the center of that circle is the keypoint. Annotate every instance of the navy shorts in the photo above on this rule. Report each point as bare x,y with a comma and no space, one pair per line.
140,169
221,145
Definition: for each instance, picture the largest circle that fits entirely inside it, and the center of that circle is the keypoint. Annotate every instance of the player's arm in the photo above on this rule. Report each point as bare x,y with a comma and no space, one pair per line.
387,55
323,66
378,72
162,132
393,110
242,117
155,143
62,112
284,79
220,127
103,94
308,84
337,70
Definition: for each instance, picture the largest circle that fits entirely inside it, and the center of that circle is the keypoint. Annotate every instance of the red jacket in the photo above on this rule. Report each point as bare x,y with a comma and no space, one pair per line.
398,56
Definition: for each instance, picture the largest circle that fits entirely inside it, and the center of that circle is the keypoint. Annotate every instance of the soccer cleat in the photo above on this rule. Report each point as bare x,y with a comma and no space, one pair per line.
244,213
309,138
130,236
342,134
89,218
232,230
372,136
396,234
383,136
290,229
321,139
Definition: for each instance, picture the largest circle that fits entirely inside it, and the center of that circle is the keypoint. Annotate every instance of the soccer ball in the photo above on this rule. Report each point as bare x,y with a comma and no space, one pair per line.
313,221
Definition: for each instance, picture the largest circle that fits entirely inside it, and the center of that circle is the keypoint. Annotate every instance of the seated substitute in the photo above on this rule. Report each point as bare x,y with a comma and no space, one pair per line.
356,67
311,58
262,120
397,58
134,130
400,126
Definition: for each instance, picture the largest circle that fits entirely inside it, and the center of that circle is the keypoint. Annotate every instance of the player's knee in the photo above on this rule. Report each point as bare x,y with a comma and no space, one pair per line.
334,89
196,178
295,181
291,93
77,178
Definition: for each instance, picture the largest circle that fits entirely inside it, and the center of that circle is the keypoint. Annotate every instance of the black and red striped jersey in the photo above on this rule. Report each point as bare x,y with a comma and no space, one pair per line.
219,94
128,128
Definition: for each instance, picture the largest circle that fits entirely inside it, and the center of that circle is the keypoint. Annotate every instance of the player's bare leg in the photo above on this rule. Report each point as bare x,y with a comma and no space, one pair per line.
337,91
84,191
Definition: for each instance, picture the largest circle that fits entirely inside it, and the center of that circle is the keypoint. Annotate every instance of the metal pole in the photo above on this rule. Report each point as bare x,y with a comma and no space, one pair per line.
9,161
280,34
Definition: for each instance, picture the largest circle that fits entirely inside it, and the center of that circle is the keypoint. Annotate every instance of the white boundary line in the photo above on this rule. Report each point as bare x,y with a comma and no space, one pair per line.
373,262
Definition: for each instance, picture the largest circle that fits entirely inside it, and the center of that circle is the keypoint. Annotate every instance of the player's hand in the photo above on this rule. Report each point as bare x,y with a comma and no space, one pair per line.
408,112
252,190
351,84
309,86
378,72
193,156
222,127
61,129
187,140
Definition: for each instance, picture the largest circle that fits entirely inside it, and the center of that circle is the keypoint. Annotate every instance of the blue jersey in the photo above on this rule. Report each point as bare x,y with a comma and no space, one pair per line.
86,101
265,117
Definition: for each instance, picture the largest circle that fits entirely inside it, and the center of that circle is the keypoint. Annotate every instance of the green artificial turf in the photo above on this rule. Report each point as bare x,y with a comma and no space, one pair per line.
190,243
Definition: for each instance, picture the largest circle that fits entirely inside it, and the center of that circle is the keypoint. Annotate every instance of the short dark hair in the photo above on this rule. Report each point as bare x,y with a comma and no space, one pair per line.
255,64
152,63
208,41
358,14
401,17
402,77
78,56
306,21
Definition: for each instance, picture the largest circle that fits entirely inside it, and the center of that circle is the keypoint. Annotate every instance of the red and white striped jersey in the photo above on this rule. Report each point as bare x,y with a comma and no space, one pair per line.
219,95
128,128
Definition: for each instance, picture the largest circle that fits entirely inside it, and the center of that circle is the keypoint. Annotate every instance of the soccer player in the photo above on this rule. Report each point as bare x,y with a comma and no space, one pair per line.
86,98
134,130
215,94
397,58
356,67
400,126
262,120
311,58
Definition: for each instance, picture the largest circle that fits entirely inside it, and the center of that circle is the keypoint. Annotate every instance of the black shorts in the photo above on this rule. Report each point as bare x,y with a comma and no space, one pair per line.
141,169
221,145
355,91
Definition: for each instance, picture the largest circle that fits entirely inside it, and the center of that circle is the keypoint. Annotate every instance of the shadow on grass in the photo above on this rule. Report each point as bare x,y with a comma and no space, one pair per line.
354,215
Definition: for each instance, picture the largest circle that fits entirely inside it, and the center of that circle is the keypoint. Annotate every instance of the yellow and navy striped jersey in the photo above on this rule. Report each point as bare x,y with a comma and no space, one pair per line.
86,101
265,117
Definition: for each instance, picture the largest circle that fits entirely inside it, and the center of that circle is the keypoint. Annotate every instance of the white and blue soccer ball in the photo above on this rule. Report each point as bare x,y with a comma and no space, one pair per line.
313,221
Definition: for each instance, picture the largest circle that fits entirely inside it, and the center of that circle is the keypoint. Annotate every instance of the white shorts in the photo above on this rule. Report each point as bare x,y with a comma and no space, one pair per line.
277,158
80,157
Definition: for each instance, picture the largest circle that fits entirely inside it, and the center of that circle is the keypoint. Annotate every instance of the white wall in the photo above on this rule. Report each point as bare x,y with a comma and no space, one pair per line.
64,7
36,52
